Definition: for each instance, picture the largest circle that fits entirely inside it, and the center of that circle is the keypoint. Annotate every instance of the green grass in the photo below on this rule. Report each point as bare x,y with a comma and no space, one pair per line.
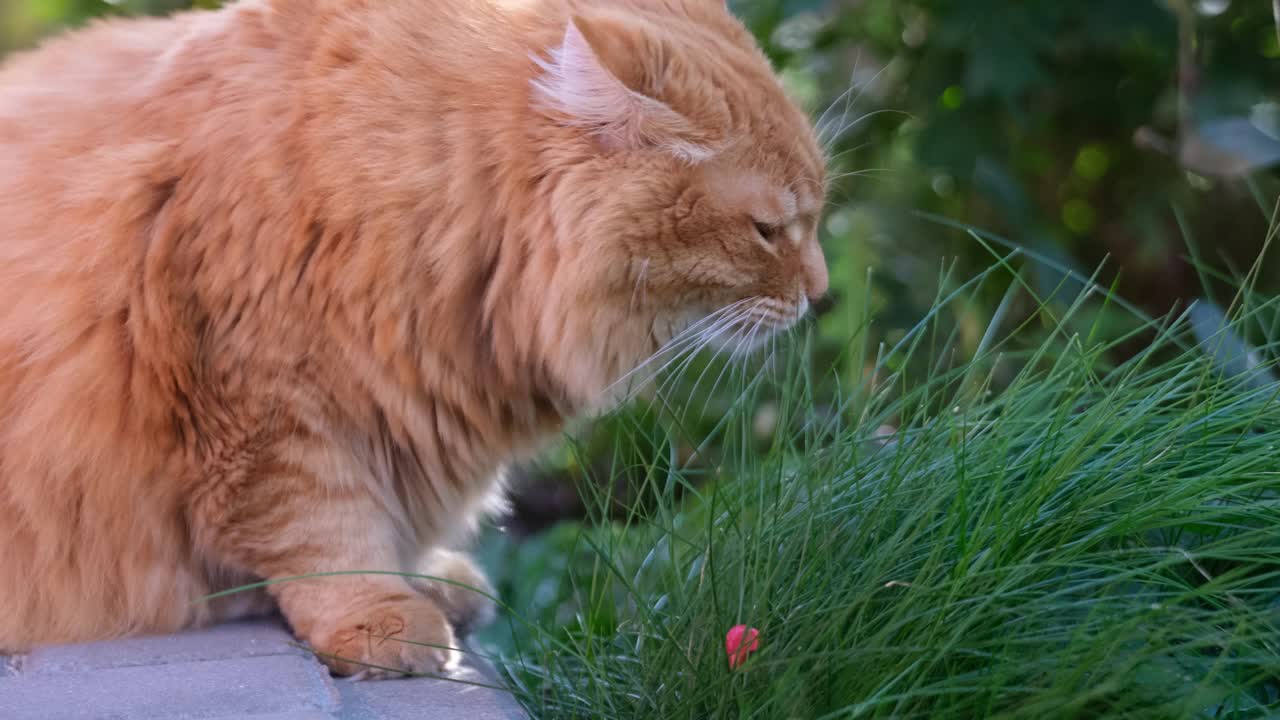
1047,533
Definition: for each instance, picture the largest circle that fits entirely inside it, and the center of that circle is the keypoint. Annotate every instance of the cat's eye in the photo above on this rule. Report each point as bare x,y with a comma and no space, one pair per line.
768,231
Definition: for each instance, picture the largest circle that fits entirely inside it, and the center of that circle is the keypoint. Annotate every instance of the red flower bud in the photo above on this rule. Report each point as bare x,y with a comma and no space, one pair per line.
740,642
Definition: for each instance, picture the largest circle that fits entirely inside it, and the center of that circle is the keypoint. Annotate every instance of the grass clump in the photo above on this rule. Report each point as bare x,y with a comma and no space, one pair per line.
1088,539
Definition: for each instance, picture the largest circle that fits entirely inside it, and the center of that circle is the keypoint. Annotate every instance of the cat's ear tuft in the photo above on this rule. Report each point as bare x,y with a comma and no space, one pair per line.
577,86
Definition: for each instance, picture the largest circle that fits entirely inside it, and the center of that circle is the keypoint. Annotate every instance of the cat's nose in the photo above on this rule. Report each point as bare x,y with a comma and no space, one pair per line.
816,279
817,289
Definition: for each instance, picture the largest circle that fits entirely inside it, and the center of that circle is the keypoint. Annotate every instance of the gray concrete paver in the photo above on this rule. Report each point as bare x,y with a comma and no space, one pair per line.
220,642
180,691
251,670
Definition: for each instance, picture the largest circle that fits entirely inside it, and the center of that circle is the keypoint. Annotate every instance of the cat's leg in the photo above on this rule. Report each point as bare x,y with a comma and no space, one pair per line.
466,597
291,524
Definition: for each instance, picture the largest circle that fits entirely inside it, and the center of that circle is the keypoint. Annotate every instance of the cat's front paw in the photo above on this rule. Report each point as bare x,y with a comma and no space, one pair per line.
389,639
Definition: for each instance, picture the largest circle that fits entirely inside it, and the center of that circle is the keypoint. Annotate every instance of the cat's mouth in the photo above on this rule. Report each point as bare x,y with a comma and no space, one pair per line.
755,322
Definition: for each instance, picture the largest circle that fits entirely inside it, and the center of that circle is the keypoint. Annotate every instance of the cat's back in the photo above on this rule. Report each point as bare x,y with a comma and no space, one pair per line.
76,146
97,126
79,93
85,67
74,141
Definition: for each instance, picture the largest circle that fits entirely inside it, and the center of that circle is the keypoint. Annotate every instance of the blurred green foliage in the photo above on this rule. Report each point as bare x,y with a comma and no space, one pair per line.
25,22
1056,124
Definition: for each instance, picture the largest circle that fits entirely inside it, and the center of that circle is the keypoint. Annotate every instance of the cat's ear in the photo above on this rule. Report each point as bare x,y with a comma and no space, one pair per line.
577,85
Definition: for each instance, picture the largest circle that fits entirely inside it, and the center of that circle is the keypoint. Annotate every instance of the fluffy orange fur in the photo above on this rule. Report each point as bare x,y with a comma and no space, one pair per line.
284,286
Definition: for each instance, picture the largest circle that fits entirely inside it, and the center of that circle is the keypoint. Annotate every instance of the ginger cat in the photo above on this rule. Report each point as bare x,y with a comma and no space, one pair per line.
284,286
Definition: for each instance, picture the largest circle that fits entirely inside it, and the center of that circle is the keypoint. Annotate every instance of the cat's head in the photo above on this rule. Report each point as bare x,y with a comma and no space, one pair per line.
691,186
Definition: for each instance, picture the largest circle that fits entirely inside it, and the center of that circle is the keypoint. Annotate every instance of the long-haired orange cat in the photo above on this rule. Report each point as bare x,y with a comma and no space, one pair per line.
284,286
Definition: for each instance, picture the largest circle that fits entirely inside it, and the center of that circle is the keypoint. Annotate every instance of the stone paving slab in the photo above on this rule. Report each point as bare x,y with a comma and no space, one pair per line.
207,689
250,670
302,715
221,642
395,700
299,715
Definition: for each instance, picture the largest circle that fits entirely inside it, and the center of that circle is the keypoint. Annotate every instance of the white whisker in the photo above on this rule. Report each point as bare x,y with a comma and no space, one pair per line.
709,335
690,338
827,138
865,116
823,125
821,122
641,284
832,160
856,173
